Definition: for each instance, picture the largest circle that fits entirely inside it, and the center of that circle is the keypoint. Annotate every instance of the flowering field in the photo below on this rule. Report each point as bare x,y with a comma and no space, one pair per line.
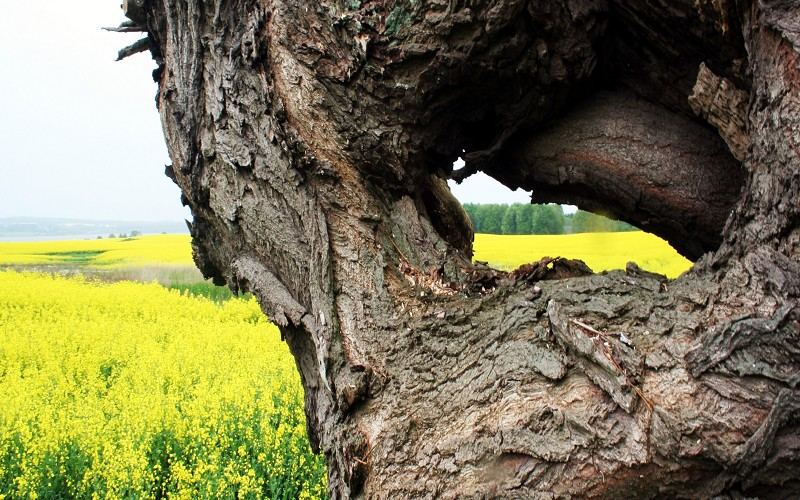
161,250
134,390
600,251
118,390
145,255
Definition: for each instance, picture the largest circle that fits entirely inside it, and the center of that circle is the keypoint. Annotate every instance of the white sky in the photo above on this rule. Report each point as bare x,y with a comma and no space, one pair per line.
79,133
480,188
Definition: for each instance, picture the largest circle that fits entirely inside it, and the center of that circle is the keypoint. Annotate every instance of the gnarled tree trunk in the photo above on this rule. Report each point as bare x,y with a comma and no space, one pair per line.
313,140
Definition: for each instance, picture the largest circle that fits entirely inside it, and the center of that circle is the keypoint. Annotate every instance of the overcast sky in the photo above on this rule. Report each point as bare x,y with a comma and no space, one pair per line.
80,134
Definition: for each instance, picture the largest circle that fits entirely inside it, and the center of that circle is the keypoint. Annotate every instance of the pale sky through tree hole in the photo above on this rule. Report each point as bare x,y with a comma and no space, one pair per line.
480,188
80,133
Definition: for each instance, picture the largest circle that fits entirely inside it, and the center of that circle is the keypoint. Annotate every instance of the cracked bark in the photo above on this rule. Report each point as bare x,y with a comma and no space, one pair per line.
311,142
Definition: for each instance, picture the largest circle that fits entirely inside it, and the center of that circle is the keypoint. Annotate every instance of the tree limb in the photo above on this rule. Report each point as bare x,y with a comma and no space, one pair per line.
139,46
127,27
629,159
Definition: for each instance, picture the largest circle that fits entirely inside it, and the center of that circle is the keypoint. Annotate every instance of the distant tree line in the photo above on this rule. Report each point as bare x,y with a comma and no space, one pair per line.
523,218
134,234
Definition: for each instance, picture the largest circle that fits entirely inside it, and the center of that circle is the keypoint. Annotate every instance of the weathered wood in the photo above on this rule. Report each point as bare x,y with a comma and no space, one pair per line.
311,141
135,10
724,106
126,27
138,46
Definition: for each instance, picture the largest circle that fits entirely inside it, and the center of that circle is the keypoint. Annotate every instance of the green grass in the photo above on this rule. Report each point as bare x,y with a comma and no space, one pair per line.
207,290
77,257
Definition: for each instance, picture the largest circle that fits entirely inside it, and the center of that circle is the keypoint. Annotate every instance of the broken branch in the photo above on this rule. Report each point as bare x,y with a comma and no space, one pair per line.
126,27
139,46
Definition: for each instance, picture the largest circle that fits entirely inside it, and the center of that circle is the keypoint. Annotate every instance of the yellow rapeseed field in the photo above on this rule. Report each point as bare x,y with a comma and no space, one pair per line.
130,390
162,249
600,251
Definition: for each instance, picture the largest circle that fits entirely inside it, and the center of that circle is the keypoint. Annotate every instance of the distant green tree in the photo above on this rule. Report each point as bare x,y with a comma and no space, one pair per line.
587,222
534,225
548,219
478,217
582,222
509,223
558,218
494,218
523,218
568,224
523,215
538,220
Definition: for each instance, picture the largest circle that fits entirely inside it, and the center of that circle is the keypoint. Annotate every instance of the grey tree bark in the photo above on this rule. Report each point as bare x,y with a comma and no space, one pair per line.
312,141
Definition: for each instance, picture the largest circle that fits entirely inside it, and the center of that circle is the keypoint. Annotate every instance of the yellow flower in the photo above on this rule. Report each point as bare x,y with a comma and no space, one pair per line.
128,390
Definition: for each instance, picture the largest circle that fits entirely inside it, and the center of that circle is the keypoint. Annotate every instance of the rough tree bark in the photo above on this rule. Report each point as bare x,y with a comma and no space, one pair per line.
312,141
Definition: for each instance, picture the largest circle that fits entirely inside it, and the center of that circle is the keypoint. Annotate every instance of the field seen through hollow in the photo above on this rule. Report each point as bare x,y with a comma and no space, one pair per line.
168,258
124,375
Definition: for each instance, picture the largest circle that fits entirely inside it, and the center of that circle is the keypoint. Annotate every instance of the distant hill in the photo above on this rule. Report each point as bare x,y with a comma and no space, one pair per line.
38,228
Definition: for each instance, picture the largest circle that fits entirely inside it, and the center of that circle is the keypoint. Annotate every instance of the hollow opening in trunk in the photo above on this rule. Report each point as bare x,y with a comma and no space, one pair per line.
511,231
613,152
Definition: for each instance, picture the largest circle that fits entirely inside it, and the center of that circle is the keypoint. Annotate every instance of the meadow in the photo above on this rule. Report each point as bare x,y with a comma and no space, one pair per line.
113,388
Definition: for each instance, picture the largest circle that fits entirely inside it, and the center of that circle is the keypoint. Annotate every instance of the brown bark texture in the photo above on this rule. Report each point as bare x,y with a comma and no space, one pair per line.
313,140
